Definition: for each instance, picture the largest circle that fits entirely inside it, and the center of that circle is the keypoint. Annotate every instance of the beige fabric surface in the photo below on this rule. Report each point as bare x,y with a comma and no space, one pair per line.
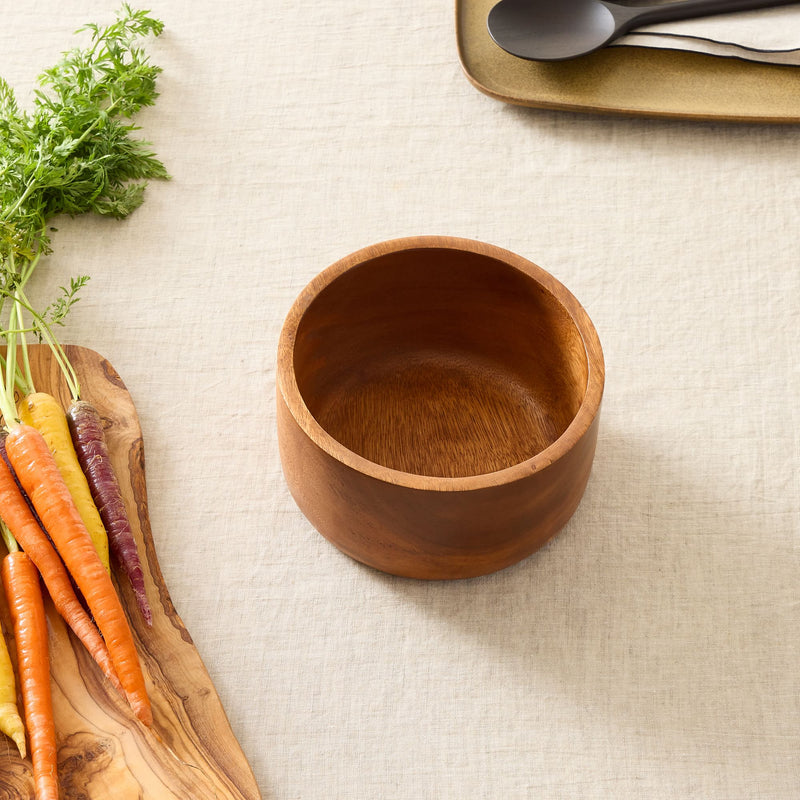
651,650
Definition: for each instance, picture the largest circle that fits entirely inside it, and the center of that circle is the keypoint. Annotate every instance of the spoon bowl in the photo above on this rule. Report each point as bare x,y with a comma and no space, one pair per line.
543,30
551,31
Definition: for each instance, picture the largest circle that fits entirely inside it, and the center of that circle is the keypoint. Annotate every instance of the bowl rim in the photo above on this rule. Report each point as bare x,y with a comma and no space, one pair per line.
290,392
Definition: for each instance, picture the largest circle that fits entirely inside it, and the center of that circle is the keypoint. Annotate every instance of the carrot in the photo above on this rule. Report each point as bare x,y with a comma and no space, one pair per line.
84,460
21,582
10,720
39,476
88,438
44,412
4,456
26,530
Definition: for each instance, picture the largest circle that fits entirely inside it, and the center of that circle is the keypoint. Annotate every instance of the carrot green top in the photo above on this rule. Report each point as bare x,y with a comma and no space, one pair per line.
74,152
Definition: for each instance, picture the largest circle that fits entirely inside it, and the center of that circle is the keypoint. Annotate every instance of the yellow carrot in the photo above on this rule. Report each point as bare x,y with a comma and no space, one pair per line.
10,720
43,412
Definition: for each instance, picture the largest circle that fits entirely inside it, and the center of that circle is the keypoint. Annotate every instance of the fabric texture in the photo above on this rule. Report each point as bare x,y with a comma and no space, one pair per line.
651,650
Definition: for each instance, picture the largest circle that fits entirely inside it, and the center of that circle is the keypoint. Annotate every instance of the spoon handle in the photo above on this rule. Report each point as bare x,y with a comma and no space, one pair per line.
687,9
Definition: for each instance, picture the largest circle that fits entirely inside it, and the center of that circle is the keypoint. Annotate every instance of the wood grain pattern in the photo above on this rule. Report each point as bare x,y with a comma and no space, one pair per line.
628,80
438,404
104,752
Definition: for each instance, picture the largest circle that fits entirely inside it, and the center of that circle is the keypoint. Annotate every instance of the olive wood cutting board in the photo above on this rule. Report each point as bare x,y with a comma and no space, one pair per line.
104,752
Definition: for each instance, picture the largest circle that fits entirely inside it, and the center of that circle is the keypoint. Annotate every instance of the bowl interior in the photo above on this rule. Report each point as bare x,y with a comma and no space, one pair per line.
440,362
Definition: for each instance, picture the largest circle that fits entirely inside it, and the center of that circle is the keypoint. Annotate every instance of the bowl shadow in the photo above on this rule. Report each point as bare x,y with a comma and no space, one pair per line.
647,611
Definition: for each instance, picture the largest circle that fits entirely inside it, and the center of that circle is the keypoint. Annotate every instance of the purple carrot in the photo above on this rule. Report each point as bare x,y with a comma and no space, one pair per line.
89,441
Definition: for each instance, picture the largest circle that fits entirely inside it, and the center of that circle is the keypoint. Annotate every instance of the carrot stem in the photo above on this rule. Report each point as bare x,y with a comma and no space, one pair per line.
8,538
46,332
41,327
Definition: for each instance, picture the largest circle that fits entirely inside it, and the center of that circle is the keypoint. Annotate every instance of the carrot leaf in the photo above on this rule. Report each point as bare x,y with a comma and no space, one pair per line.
57,311
74,152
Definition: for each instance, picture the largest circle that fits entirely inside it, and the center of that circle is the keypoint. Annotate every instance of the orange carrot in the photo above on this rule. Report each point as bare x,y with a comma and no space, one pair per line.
37,472
21,582
17,515
43,412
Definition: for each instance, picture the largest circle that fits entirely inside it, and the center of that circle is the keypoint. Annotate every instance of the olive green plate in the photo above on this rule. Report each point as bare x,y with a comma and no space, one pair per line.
628,80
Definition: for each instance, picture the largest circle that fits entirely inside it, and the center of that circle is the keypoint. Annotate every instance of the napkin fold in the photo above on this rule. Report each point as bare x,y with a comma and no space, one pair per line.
770,35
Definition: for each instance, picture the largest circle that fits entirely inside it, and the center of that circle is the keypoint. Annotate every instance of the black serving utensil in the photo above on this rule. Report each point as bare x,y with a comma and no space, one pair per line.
556,30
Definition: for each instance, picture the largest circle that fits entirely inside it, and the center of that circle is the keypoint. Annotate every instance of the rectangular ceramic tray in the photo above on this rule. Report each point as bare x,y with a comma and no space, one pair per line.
628,80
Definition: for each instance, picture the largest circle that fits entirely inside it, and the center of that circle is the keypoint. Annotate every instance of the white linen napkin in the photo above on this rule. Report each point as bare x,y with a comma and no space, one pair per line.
771,35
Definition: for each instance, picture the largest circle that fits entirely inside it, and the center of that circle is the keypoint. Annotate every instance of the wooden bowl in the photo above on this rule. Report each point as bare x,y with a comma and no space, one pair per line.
438,406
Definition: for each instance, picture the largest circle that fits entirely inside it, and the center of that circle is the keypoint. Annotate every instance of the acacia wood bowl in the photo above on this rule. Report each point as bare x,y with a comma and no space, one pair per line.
438,404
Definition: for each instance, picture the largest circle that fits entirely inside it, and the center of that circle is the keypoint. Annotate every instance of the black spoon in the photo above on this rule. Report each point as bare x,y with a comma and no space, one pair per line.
555,30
